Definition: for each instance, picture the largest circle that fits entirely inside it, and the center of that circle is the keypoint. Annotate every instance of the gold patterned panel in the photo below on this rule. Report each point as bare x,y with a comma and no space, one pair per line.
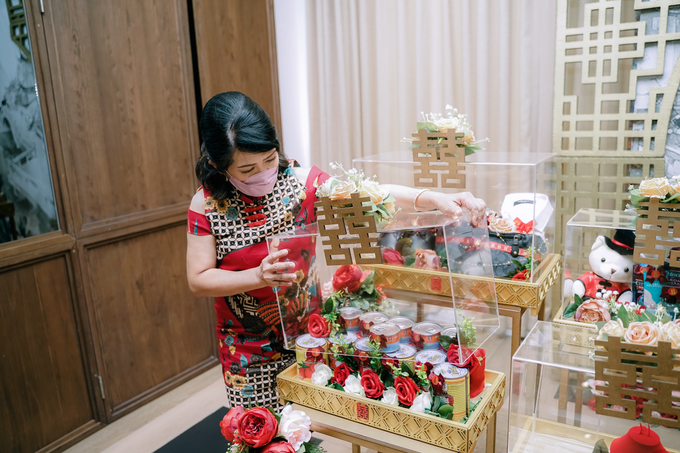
572,332
598,182
602,52
508,292
455,436
638,371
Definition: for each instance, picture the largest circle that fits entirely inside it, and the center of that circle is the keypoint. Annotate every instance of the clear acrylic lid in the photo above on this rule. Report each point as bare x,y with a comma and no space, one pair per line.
334,311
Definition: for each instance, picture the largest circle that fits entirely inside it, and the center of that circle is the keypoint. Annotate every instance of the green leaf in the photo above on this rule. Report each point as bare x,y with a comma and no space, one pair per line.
578,300
406,369
436,403
336,386
277,416
647,316
329,305
445,410
303,365
302,449
518,265
570,311
365,306
445,342
369,278
605,336
312,448
600,324
622,314
409,261
369,289
636,198
671,198
389,199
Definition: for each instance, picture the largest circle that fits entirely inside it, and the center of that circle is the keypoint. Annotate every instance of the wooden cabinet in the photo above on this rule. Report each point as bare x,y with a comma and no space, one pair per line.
97,319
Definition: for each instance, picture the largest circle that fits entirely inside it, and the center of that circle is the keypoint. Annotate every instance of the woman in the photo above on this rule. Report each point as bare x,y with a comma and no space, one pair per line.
251,191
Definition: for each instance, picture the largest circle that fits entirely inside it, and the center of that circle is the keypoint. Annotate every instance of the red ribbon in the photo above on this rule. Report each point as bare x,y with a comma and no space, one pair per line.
524,227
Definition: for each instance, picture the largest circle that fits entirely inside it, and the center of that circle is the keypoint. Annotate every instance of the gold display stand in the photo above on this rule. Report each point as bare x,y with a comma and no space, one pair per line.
514,297
393,428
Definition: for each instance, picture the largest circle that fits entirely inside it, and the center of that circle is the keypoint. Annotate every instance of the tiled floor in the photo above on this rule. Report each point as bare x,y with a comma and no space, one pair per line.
155,424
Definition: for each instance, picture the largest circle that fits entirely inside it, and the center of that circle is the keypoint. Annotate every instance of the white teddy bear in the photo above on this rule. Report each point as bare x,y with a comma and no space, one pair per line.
611,261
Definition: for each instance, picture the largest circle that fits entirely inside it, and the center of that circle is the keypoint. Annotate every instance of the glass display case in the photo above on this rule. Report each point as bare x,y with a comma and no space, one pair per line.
351,314
519,190
552,403
599,268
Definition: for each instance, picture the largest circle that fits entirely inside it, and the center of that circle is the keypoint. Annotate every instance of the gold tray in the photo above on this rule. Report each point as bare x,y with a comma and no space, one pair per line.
508,292
455,436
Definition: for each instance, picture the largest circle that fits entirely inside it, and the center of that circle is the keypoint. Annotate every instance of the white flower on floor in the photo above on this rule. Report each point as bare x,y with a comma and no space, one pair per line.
295,427
322,374
422,402
390,396
353,385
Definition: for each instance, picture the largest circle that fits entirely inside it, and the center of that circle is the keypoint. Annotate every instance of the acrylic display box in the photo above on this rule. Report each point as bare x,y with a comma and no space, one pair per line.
520,190
340,315
593,235
552,403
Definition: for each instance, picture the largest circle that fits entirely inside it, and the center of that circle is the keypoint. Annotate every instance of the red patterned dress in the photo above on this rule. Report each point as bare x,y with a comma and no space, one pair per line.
249,324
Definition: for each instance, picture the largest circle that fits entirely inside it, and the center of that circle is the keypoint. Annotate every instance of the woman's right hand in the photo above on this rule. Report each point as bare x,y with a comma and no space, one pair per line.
272,273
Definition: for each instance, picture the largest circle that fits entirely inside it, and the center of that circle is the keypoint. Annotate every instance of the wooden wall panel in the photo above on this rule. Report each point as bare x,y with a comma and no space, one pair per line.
44,391
236,51
125,95
151,328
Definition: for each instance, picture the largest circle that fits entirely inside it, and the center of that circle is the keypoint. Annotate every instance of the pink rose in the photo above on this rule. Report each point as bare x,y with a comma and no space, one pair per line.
592,311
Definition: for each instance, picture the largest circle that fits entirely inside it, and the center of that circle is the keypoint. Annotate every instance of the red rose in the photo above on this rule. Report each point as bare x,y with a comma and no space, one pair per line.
437,382
387,361
392,257
278,447
454,355
341,373
348,278
406,390
318,326
370,381
257,427
229,423
520,276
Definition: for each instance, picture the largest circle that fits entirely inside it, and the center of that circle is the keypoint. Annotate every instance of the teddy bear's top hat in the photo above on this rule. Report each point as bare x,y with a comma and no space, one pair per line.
622,243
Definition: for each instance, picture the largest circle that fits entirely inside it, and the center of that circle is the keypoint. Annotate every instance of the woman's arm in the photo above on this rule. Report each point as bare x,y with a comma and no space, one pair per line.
206,280
449,204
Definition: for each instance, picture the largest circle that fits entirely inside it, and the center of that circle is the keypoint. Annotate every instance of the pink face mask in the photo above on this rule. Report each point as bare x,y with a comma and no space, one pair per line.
258,185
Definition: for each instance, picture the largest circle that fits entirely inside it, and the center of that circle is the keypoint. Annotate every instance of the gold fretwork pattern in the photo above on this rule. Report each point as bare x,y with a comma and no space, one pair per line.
508,292
593,103
651,377
599,183
18,28
345,227
655,233
455,436
572,332
438,152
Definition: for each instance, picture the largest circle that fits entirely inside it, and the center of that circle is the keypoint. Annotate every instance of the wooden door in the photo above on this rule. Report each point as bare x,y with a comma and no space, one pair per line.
124,97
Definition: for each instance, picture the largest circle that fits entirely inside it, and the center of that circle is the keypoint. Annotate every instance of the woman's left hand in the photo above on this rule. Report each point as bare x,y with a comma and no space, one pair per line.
452,204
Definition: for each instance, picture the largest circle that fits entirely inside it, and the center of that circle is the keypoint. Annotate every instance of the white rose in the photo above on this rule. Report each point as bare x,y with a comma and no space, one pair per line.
353,385
295,426
671,332
422,402
390,396
322,374
324,190
343,191
613,329
372,189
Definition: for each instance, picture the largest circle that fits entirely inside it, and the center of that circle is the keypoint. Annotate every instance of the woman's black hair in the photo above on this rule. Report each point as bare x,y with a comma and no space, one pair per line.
232,121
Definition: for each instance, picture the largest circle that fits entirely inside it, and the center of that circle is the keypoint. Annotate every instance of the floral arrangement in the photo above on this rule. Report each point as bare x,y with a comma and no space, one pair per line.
416,387
437,122
351,181
642,327
605,307
667,190
352,287
262,430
